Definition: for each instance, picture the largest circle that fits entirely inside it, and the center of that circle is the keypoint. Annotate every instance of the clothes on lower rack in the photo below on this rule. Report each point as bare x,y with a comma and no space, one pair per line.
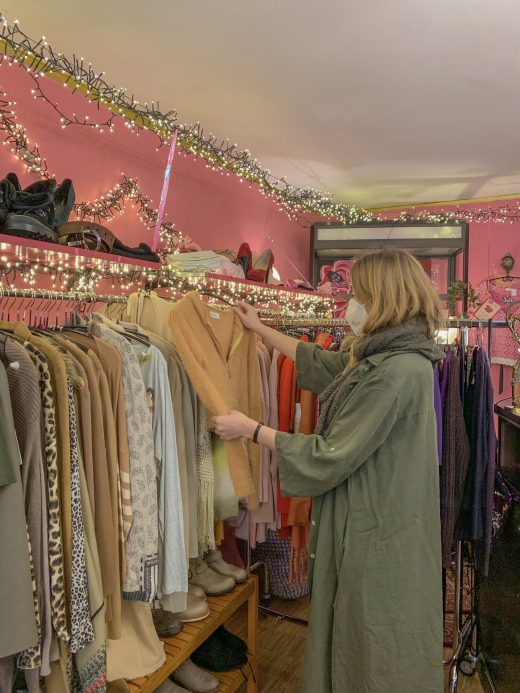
455,454
475,521
469,443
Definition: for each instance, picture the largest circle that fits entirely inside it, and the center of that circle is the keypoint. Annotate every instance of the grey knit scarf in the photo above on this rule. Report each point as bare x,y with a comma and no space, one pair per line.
411,336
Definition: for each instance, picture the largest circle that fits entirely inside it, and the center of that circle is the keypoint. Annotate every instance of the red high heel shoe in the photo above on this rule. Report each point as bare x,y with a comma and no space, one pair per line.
260,272
245,257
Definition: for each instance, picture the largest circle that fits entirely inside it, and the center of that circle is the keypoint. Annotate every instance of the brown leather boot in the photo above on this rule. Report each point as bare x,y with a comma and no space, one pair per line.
166,623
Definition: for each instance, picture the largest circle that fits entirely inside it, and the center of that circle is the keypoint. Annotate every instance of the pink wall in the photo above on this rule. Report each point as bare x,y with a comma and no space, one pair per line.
216,211
488,241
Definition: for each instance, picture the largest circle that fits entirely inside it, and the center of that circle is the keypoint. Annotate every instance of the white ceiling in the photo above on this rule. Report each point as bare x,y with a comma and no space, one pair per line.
376,101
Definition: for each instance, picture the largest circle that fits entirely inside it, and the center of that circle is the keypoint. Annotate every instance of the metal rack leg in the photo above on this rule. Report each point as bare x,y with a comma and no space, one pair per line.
260,568
252,637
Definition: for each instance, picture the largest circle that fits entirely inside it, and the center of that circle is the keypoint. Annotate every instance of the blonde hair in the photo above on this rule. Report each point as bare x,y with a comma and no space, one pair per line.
396,289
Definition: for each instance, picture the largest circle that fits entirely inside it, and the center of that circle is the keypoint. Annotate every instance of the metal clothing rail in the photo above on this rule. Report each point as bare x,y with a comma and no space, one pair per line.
489,325
82,296
305,322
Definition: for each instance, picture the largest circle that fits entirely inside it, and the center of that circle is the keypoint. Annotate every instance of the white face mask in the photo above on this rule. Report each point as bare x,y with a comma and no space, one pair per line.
356,316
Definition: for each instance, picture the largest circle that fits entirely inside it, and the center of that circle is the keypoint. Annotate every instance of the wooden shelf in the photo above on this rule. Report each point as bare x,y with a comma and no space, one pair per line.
179,647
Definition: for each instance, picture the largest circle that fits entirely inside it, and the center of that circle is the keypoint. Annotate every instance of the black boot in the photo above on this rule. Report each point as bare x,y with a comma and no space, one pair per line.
63,202
33,212
142,252
7,193
13,178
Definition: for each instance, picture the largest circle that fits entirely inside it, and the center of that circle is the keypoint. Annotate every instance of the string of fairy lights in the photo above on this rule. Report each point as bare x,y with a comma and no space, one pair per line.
65,274
223,156
86,274
40,60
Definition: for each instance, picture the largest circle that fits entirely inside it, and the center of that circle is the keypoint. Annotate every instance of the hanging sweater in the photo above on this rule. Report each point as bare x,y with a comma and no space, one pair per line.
220,358
140,581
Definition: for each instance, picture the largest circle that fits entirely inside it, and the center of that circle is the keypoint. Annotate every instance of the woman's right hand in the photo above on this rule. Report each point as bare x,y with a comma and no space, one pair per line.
248,316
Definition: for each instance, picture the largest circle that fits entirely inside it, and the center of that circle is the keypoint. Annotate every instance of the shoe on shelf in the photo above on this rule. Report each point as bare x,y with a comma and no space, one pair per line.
231,640
214,655
212,583
166,624
194,679
169,686
245,257
13,178
32,212
262,267
218,564
142,252
7,192
64,198
196,591
196,610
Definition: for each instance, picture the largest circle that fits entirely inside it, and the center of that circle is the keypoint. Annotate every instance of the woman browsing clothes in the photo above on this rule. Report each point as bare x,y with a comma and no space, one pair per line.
372,470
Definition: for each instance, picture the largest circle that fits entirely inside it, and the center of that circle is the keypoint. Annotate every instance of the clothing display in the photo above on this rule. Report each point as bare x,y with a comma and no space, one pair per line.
469,445
259,432
117,488
124,489
96,514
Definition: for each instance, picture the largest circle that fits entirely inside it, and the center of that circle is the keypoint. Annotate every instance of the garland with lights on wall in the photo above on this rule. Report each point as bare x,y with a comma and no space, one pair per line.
40,60
269,300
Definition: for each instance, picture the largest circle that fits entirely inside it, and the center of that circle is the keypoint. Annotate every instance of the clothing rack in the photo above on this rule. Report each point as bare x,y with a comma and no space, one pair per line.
51,295
465,632
490,325
305,322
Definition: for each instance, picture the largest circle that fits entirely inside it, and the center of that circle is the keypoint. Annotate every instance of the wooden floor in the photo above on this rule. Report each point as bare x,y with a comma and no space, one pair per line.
281,648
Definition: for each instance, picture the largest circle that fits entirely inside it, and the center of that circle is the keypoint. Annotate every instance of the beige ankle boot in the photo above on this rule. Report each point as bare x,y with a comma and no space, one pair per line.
218,564
212,583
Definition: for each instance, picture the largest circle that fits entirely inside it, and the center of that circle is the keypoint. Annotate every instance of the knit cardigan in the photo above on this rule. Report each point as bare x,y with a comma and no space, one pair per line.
220,358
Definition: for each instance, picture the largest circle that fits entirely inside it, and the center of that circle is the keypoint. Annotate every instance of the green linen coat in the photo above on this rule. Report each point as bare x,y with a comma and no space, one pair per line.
375,546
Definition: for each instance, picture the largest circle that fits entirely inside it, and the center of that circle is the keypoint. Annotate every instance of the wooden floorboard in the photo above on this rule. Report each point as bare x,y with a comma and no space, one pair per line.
281,647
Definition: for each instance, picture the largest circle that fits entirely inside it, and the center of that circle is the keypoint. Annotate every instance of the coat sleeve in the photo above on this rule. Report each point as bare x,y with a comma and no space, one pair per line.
316,368
310,465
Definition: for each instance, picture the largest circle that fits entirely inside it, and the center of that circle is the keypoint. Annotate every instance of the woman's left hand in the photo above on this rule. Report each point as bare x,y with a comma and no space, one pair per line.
234,425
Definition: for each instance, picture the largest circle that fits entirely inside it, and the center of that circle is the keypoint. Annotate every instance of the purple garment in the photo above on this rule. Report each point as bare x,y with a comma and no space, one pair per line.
445,374
437,403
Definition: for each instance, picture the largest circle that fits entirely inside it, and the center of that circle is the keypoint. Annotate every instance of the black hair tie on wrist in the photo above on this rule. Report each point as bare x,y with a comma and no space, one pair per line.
257,431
